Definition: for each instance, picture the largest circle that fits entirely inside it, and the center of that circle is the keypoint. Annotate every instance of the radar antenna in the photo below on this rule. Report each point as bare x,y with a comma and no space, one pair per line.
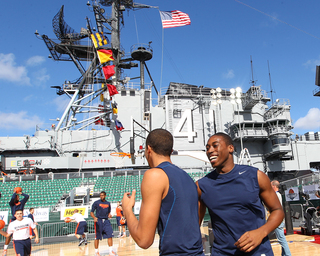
62,30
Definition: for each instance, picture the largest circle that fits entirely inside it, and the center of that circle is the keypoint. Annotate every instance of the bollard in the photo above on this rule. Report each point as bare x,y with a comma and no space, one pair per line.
287,217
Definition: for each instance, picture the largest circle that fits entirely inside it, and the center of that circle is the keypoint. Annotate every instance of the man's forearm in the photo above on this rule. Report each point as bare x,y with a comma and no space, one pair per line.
5,234
274,220
35,230
132,224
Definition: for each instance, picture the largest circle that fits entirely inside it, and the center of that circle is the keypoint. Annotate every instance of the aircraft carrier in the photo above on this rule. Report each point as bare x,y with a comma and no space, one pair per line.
107,119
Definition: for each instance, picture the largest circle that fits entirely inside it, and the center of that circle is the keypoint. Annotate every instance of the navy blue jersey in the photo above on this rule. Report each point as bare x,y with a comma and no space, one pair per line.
102,209
31,216
178,225
17,206
235,207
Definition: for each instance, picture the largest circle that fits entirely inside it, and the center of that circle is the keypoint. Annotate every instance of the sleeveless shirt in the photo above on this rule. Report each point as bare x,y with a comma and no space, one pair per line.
178,224
235,207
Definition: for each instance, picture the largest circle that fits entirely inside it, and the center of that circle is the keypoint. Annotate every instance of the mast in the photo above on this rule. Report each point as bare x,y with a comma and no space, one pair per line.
253,82
271,91
115,35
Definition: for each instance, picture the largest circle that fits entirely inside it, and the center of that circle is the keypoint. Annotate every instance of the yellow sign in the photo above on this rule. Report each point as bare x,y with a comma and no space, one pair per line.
68,212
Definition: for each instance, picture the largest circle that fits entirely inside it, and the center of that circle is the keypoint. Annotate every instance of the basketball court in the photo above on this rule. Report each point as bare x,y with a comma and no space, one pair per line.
300,245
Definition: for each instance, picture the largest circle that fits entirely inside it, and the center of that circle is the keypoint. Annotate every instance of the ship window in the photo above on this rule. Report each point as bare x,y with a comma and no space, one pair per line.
146,116
248,126
75,154
177,113
132,93
123,93
280,141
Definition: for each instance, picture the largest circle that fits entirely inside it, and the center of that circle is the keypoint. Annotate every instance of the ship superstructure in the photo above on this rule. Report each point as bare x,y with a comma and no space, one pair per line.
107,119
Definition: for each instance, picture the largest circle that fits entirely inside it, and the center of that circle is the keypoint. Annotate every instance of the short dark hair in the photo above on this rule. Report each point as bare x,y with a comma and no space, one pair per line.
227,139
19,211
103,192
31,209
161,142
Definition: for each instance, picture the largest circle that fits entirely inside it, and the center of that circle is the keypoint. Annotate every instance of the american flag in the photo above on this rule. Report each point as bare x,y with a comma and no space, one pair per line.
174,19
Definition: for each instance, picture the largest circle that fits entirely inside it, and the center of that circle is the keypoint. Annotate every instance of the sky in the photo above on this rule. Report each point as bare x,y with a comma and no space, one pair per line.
214,51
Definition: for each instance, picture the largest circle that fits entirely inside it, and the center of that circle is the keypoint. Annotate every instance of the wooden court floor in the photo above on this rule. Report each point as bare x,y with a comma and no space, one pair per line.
299,245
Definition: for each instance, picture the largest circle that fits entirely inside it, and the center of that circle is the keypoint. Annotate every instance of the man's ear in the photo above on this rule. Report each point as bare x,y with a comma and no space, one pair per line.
149,149
231,148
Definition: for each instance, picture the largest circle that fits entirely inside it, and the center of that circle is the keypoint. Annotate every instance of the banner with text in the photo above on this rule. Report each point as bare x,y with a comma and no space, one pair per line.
69,211
39,215
4,216
311,191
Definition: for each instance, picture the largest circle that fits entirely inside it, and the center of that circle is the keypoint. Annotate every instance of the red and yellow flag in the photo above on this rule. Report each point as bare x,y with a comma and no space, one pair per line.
105,55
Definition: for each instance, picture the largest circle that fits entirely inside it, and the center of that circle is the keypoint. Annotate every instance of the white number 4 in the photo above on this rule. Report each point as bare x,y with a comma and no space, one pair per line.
185,119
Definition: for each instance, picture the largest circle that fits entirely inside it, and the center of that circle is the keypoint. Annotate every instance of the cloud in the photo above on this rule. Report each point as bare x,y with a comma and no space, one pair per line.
9,70
35,60
61,103
229,74
11,121
312,64
40,77
309,122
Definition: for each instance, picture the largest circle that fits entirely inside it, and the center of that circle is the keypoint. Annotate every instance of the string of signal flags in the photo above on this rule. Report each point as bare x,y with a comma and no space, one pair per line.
169,19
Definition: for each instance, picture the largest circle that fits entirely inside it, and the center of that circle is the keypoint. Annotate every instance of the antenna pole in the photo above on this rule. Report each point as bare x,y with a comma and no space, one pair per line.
252,80
271,91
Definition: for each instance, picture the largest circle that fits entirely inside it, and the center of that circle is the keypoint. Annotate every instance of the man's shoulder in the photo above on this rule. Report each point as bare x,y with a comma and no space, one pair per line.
154,172
96,202
26,219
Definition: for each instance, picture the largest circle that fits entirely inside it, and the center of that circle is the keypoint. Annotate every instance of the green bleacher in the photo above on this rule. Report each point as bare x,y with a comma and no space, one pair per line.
47,193
116,186
43,193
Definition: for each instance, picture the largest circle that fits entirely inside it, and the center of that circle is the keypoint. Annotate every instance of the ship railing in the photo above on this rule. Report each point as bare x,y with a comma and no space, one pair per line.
136,86
76,177
70,87
316,91
246,132
308,179
141,46
277,130
186,91
276,108
71,41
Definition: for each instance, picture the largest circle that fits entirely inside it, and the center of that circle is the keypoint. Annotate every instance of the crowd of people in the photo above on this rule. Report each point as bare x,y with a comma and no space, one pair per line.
174,205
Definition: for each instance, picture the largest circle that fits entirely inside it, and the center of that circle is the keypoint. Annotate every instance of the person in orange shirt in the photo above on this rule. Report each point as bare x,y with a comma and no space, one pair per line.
119,215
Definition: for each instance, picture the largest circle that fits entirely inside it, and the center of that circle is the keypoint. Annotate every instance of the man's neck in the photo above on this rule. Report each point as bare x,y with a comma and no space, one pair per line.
225,169
159,160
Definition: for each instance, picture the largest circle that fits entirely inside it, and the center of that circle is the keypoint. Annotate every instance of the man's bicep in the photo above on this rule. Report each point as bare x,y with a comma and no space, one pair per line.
267,193
152,189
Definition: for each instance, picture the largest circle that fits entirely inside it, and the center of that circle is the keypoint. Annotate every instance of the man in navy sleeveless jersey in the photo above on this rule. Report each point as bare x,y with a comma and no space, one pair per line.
169,202
233,195
102,225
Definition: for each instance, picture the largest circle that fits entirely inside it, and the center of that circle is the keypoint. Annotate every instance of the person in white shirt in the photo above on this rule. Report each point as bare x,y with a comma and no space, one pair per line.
19,229
81,227
279,230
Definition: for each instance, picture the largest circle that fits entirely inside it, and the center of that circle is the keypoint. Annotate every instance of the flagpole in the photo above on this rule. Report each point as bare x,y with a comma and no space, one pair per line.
162,58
